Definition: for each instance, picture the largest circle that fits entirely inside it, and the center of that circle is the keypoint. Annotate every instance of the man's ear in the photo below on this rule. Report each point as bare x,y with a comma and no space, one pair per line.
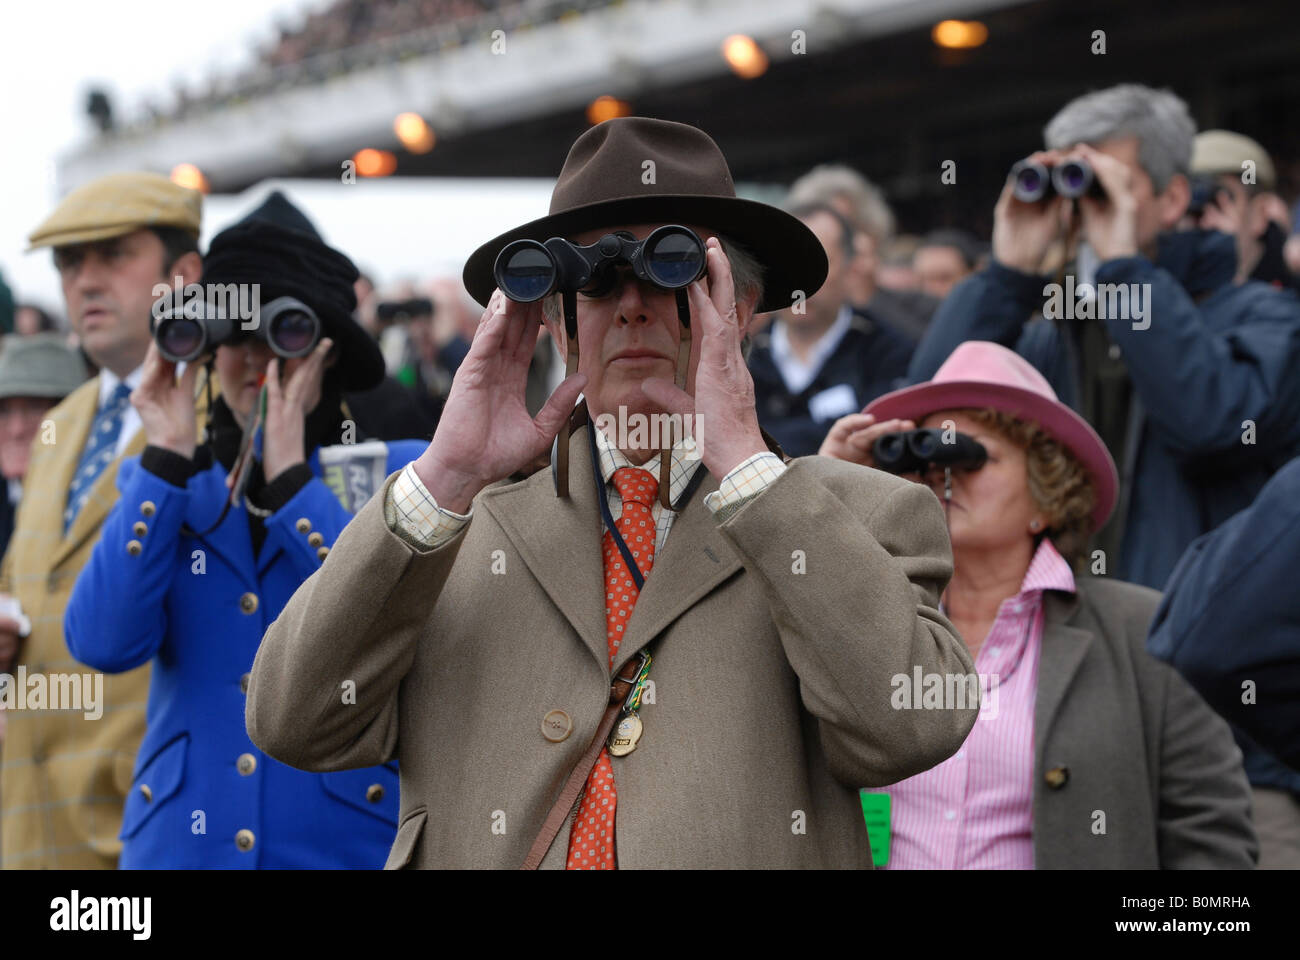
1173,201
745,312
188,266
1257,215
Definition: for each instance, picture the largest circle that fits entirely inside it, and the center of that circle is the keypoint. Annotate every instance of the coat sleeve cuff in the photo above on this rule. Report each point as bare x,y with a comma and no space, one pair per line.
284,488
167,465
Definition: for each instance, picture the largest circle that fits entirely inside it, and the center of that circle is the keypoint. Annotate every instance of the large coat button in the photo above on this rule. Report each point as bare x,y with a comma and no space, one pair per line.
374,793
140,528
146,792
248,603
148,508
1057,776
134,548
316,540
246,764
556,726
322,553
303,525
243,682
244,840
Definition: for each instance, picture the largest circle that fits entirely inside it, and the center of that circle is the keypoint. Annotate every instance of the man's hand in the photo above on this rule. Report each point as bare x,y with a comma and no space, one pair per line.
1023,233
287,406
1110,225
724,402
852,437
166,406
485,432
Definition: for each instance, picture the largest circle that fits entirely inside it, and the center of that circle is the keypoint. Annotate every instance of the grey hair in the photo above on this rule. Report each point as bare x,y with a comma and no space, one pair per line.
1159,119
822,184
746,277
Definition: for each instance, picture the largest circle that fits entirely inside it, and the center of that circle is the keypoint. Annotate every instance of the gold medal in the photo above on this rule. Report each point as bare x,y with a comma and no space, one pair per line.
623,738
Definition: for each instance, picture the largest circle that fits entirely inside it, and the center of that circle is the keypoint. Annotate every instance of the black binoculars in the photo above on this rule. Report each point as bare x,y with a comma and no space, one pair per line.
914,450
670,257
187,331
1033,181
1205,188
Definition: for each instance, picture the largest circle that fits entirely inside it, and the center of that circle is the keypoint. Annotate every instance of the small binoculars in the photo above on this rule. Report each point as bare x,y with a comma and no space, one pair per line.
670,257
186,332
912,451
1033,181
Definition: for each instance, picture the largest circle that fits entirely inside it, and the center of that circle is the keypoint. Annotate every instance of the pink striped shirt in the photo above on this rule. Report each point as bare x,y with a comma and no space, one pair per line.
974,811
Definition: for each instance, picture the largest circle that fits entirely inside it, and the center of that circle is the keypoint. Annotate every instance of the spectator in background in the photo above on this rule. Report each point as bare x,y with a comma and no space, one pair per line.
30,319
858,200
896,271
36,372
64,777
944,258
1230,624
367,300
1195,394
1076,717
824,358
1246,204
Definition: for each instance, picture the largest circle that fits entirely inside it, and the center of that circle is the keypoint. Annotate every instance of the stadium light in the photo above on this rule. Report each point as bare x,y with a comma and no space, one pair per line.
959,34
744,56
607,108
415,135
374,163
188,175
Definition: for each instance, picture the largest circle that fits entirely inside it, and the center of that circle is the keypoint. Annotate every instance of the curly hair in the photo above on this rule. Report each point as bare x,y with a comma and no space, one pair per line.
1058,483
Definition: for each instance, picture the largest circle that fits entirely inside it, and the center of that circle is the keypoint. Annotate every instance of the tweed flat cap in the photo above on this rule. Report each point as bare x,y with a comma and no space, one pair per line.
39,366
117,204
1222,151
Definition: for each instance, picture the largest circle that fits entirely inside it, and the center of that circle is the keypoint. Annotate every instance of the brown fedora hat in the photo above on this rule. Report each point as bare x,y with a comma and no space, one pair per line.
602,185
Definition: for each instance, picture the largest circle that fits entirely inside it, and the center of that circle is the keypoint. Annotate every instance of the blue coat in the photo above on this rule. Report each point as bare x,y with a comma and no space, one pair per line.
1215,355
203,795
1231,613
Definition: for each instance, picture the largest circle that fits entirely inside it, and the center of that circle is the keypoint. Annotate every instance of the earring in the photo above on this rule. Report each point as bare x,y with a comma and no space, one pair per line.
1035,525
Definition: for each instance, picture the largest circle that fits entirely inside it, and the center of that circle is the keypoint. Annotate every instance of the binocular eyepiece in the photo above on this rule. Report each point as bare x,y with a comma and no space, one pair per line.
1033,181
186,331
670,257
913,450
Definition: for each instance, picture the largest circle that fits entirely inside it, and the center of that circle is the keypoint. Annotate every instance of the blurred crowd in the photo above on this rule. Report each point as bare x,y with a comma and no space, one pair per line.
1190,425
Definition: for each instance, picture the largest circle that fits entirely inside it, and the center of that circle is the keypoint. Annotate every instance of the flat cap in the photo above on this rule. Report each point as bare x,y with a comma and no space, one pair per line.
41,365
117,204
1222,151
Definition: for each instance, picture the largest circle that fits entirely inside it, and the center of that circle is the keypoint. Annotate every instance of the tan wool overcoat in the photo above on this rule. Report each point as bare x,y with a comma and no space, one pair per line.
775,635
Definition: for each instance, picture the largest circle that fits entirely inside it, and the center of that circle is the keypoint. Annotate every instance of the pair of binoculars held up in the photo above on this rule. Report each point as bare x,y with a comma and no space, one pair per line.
670,257
1033,181
185,332
912,451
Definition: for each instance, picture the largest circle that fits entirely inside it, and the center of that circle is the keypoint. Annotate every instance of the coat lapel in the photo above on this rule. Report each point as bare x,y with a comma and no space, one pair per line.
231,540
695,559
559,541
1063,650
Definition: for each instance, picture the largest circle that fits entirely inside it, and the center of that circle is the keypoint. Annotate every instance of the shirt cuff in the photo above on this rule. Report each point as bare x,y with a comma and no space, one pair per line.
411,512
750,478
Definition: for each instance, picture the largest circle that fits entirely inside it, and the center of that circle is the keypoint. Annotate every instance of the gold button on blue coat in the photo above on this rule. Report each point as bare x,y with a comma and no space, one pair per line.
248,603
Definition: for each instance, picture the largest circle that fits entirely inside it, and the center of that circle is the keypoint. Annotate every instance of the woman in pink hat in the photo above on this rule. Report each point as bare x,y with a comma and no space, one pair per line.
1087,752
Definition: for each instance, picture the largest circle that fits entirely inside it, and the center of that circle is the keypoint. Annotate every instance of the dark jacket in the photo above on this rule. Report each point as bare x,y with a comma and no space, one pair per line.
1214,356
871,359
1232,615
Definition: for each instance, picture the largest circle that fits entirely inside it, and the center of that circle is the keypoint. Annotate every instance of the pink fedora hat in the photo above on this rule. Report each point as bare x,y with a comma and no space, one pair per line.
982,374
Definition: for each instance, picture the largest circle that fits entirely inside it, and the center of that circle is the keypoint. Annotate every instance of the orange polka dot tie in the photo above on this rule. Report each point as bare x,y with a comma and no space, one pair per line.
591,844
